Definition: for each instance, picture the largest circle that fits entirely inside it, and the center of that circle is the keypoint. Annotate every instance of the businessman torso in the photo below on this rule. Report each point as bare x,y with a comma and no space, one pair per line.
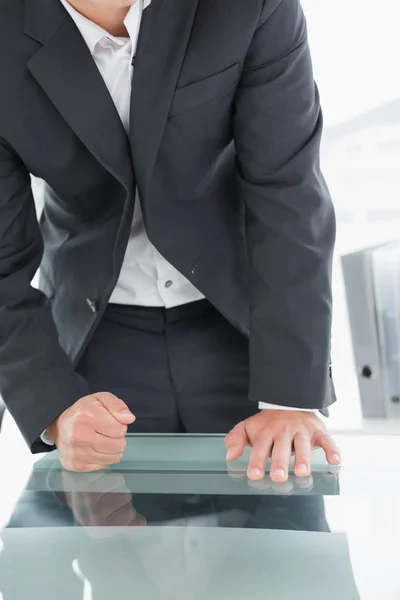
223,148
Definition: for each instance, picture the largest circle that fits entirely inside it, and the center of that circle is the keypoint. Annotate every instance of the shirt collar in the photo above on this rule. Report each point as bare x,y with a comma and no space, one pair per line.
93,33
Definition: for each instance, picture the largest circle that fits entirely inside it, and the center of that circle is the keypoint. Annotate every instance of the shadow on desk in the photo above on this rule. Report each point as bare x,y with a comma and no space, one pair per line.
179,546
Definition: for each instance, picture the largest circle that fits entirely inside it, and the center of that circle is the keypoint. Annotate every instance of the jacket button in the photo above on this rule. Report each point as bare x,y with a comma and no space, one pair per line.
92,305
193,270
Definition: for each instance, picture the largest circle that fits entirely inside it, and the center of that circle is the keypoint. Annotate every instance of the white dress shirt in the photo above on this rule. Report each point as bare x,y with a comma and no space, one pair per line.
146,278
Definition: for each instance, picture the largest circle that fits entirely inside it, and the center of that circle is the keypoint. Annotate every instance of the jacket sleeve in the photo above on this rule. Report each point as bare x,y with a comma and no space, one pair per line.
290,221
37,381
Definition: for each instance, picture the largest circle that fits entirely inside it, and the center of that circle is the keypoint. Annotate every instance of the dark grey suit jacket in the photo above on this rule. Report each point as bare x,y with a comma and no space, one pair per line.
224,149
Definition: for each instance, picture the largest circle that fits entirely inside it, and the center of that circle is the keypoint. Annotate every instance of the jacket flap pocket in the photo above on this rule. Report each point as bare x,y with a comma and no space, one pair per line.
199,92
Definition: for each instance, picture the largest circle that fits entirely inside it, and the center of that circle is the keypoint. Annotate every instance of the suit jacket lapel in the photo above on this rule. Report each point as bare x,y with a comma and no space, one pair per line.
65,70
164,36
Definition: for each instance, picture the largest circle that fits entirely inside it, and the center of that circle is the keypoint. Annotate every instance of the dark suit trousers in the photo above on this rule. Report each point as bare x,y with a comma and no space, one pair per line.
182,369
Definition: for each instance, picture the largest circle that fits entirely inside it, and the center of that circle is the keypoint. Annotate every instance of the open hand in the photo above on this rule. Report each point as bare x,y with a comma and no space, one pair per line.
277,434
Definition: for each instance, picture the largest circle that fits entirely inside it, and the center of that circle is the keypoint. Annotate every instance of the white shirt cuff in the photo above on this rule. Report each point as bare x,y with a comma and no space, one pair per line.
47,439
264,405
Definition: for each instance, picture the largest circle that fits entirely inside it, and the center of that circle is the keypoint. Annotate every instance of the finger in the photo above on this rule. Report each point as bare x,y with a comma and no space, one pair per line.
107,445
281,453
328,444
116,407
236,441
259,455
88,455
88,468
105,424
302,450
79,467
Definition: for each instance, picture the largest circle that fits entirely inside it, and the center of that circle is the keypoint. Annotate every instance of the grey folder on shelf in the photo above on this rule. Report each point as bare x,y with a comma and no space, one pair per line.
372,280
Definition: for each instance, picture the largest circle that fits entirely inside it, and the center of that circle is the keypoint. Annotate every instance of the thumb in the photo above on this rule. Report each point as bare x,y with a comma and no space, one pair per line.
116,407
236,441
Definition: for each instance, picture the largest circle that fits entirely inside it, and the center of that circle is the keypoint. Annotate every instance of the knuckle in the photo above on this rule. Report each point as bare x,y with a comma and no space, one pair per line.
238,429
261,439
82,416
75,465
116,448
302,458
86,403
110,400
82,401
230,438
106,395
77,437
286,431
258,452
117,459
74,438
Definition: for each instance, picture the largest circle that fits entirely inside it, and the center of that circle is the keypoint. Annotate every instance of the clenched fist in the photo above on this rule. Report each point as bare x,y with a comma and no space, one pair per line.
90,435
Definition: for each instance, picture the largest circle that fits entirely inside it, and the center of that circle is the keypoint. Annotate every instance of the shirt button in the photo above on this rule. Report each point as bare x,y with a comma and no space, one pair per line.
168,283
92,305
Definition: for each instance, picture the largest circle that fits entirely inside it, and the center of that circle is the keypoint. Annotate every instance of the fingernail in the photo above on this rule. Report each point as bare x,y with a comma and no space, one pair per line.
279,473
302,468
335,458
126,413
255,473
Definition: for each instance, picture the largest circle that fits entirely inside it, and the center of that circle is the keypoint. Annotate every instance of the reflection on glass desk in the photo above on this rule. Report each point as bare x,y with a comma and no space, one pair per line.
174,521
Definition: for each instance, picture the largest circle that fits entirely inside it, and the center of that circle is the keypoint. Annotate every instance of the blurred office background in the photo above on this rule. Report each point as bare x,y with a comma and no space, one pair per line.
355,47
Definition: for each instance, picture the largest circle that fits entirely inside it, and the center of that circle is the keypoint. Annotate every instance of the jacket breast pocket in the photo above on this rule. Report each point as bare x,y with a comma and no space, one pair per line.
203,91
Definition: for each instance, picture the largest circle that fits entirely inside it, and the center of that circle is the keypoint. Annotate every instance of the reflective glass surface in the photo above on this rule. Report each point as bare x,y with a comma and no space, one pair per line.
172,520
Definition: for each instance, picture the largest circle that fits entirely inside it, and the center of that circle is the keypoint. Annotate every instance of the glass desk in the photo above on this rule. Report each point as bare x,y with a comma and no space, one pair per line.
171,521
